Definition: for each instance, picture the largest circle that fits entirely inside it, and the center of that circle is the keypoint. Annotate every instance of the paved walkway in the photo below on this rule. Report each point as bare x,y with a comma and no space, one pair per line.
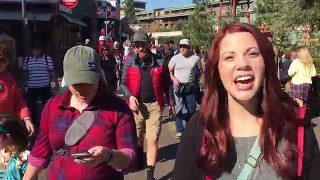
167,152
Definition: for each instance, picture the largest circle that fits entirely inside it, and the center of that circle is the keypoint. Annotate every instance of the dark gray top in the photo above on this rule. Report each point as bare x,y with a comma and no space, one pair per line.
240,152
186,167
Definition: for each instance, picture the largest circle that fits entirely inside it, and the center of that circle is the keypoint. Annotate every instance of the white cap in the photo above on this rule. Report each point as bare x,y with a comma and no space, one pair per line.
184,42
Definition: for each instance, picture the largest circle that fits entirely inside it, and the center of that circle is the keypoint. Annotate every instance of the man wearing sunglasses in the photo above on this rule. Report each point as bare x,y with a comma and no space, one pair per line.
185,71
144,83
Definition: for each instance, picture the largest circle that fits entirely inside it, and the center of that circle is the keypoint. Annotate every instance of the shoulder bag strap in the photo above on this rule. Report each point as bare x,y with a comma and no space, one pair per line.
78,129
251,161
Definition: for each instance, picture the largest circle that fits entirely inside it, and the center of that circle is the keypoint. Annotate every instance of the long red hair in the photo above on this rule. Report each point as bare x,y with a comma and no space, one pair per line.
277,111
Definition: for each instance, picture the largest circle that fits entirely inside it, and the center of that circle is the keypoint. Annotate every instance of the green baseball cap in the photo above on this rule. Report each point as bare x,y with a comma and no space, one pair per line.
81,65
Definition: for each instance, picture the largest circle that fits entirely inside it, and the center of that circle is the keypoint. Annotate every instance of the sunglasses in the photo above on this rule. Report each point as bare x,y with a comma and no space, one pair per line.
140,44
184,46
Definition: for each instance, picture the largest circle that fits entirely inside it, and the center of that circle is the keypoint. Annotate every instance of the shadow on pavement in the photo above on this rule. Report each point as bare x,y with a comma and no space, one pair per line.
166,177
168,152
166,120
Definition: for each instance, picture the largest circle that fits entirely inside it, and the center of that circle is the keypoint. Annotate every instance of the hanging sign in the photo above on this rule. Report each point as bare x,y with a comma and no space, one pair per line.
70,3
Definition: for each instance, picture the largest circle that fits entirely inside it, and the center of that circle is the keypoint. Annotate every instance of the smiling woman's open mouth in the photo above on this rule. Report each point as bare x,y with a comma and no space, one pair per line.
244,82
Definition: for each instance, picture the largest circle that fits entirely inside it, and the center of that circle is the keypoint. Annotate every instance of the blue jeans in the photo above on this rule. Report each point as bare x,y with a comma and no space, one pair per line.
189,102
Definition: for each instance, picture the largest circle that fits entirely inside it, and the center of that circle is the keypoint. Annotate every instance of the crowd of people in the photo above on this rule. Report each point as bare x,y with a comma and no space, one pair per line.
234,111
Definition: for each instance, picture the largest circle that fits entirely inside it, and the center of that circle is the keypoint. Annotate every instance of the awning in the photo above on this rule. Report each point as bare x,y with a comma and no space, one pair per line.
73,20
32,16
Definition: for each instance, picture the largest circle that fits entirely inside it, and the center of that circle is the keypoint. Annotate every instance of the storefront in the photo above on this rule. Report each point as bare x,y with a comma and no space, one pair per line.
57,27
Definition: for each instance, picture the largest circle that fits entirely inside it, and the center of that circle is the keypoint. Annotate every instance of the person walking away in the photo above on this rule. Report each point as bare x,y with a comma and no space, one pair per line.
128,54
39,72
284,66
144,84
301,70
166,56
293,53
110,68
13,148
196,51
185,68
11,100
108,143
198,92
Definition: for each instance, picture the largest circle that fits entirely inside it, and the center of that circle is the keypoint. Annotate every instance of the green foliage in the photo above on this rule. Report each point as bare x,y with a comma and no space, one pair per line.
201,2
129,10
285,16
200,28
179,25
163,29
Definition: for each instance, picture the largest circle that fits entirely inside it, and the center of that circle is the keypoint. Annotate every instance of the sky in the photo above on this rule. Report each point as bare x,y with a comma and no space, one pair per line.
154,4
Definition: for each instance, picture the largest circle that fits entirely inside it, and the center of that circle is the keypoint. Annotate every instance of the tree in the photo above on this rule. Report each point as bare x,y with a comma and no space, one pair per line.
286,16
179,25
201,2
129,10
200,28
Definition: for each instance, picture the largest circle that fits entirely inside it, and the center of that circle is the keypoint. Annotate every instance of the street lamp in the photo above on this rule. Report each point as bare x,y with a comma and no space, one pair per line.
100,12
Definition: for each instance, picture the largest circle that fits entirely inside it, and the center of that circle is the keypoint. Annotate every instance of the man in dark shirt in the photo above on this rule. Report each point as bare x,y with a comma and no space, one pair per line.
144,82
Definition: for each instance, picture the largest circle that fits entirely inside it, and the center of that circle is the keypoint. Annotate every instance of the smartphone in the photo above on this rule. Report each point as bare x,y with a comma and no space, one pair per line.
81,155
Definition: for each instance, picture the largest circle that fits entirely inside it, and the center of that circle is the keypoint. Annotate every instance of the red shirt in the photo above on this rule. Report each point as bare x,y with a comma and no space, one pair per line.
114,129
11,100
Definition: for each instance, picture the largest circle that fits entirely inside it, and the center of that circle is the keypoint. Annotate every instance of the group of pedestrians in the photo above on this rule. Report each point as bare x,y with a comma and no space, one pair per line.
87,132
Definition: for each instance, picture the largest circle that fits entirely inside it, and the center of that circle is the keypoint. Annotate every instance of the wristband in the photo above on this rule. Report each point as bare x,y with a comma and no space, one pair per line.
110,153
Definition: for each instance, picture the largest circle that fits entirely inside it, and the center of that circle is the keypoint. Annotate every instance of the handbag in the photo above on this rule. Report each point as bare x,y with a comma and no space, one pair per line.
78,129
185,89
251,162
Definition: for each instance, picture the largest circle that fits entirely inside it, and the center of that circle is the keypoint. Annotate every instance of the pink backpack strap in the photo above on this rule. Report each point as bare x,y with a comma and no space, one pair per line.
203,142
302,112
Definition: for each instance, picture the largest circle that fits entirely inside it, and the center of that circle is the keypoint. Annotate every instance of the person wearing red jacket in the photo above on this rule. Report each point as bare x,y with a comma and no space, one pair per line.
11,101
144,83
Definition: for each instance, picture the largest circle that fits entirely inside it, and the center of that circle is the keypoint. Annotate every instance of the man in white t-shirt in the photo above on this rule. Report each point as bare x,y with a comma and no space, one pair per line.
185,71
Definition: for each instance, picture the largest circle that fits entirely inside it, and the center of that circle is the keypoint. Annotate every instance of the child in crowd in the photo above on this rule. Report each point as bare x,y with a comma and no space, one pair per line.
13,145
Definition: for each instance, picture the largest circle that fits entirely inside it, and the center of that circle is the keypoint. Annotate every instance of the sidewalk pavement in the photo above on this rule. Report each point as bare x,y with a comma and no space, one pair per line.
168,146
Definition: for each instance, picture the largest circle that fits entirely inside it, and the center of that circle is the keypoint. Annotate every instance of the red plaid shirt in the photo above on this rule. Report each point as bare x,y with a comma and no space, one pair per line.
114,129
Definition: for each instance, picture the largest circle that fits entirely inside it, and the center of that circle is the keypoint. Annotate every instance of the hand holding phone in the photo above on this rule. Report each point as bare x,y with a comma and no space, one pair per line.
81,155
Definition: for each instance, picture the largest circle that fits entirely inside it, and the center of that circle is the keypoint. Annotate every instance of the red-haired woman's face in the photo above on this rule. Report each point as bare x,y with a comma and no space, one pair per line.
241,66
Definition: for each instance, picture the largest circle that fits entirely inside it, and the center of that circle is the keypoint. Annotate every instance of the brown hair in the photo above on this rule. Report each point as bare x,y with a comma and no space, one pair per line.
279,123
17,131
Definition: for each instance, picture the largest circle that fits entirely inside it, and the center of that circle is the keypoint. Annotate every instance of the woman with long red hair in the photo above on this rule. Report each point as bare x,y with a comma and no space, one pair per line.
247,126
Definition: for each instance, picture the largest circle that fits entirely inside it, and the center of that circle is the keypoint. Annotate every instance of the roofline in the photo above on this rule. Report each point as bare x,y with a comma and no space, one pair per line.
166,9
